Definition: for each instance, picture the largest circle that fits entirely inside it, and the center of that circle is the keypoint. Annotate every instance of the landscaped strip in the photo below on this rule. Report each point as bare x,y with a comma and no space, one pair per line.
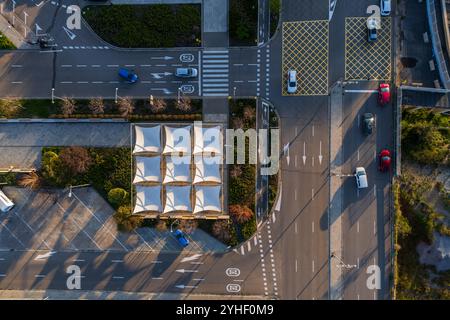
5,43
146,26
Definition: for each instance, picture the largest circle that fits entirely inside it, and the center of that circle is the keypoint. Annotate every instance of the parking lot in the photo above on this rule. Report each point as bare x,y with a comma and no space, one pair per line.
51,220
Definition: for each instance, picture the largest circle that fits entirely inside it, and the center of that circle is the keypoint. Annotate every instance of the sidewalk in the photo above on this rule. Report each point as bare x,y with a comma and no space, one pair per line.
13,35
113,295
215,23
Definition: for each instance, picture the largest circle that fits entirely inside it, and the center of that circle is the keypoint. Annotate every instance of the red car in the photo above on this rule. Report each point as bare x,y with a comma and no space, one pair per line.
384,93
385,160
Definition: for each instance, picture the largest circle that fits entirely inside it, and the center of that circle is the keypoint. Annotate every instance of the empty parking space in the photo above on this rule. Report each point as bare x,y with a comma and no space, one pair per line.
366,60
305,49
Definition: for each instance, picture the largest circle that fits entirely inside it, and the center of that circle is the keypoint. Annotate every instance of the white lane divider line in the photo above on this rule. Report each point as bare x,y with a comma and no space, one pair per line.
249,246
117,277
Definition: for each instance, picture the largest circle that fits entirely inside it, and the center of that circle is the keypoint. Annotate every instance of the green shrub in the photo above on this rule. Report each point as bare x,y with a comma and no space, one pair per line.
249,228
118,197
125,220
5,43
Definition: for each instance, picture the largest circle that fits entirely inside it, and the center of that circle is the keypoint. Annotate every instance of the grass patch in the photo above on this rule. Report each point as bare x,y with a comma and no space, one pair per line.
5,43
147,26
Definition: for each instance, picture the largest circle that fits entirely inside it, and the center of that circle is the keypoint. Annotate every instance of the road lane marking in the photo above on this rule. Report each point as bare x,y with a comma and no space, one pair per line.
116,261
313,266
158,261
374,228
295,225
312,227
357,262
112,65
157,278
313,130
40,276
197,262
2,275
357,227
81,66
78,260
117,277
16,82
312,194
295,194
296,265
375,190
16,66
357,155
242,250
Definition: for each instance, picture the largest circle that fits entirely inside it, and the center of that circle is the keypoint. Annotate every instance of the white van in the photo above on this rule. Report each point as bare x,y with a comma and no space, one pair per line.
5,203
361,178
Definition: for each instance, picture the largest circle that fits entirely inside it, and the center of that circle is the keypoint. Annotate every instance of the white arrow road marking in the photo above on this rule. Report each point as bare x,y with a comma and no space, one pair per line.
193,257
182,286
320,152
165,90
304,153
70,34
286,151
160,75
45,256
186,271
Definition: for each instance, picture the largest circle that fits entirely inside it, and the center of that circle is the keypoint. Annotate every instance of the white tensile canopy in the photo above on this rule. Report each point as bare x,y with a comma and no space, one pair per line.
207,169
148,199
207,199
178,169
207,140
178,199
177,140
147,169
148,139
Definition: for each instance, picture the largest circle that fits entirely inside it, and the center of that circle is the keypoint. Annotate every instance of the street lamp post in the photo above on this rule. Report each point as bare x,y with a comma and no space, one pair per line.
73,187
179,95
171,225
115,96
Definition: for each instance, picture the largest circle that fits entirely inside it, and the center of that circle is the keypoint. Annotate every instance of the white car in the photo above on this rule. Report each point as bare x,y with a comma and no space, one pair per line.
5,203
292,81
361,178
385,6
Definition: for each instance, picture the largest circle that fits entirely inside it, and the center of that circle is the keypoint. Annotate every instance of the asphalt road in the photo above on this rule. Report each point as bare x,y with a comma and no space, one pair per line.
290,256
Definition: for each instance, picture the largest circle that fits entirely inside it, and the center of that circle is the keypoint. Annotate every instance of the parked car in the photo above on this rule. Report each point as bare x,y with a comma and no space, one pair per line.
361,178
186,72
128,75
6,204
368,123
384,93
292,81
181,238
385,6
385,160
372,26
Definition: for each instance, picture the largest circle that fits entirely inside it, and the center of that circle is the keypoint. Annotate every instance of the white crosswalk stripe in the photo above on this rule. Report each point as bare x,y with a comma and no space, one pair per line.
215,73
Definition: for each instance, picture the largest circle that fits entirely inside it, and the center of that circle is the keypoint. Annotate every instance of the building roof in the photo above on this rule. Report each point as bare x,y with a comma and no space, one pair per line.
207,140
207,169
207,198
178,169
178,198
178,139
148,198
147,169
148,139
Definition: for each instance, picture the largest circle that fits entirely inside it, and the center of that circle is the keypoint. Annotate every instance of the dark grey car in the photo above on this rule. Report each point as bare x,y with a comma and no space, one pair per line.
368,123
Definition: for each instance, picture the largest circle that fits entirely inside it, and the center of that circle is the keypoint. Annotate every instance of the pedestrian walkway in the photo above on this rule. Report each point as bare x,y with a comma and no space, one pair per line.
215,73
12,34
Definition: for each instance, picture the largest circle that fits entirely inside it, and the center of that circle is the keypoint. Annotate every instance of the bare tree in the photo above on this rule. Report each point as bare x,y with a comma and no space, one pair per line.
76,159
238,123
97,106
68,106
157,105
30,180
235,171
10,107
184,104
240,214
126,106
188,226
221,230
249,114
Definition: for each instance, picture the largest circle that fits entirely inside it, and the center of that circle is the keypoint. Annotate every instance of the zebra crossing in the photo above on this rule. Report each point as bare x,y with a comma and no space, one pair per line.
215,72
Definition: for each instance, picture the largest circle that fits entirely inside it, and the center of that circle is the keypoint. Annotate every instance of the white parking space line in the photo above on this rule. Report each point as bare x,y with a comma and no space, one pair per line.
374,227
29,227
118,277
156,261
157,278
16,82
102,224
16,66
40,276
312,227
313,266
296,265
116,261
357,226
242,250
249,246
78,260
295,228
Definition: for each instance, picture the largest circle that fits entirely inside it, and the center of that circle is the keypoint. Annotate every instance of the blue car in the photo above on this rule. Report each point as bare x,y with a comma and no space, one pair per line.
181,237
128,75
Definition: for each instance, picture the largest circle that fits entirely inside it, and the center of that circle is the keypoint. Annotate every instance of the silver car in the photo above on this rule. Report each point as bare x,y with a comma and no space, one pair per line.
292,81
385,6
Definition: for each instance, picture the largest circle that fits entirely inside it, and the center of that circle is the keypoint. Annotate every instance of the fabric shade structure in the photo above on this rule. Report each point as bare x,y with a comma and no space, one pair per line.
148,139
207,140
178,169
178,199
207,199
148,199
178,139
207,169
147,169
